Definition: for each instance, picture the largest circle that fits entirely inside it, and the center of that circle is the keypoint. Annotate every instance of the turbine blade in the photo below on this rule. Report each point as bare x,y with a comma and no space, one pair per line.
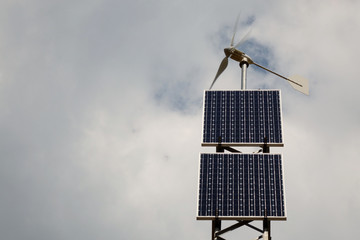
298,83
243,39
303,81
235,27
222,67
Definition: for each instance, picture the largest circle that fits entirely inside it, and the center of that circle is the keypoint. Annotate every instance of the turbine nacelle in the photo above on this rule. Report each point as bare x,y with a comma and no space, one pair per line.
298,83
235,54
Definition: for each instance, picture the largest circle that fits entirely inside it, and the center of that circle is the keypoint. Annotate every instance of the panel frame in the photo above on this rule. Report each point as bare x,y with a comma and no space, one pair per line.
276,218
242,144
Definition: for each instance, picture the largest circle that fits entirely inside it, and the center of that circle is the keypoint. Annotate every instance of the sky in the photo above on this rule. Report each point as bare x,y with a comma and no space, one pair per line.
101,113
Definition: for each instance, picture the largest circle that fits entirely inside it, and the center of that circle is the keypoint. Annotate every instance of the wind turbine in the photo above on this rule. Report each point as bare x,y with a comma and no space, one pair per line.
297,82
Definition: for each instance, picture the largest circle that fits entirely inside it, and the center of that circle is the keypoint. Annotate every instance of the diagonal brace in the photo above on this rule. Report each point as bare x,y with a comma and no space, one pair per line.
232,227
255,228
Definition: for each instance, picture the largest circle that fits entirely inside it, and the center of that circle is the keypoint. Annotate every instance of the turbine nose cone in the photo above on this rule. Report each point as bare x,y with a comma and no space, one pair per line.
227,51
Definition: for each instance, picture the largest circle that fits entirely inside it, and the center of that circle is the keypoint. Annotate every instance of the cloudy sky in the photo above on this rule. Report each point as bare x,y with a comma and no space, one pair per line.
101,113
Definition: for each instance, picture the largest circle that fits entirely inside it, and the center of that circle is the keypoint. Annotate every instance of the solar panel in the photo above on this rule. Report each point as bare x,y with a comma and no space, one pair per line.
242,118
240,186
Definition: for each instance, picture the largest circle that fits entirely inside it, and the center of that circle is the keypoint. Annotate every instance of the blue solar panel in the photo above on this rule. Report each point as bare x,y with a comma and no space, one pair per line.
242,118
241,186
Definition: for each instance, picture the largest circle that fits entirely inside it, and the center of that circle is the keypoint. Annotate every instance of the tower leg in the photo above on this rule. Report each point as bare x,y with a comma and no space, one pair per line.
216,226
267,228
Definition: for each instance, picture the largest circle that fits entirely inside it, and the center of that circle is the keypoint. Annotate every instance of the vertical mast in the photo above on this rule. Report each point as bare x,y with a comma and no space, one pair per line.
244,65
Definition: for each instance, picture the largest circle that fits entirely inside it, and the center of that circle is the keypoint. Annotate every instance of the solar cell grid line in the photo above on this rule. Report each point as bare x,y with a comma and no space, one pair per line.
242,117
241,186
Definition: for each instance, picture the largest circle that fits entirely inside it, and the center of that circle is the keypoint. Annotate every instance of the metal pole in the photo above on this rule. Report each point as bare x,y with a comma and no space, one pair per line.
267,231
216,223
266,227
266,148
243,64
216,226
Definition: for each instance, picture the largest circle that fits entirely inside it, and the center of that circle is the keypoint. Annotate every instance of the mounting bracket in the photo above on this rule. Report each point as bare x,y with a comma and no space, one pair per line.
221,148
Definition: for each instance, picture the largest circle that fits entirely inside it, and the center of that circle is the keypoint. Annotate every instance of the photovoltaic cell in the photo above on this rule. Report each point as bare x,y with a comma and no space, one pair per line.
242,118
241,187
